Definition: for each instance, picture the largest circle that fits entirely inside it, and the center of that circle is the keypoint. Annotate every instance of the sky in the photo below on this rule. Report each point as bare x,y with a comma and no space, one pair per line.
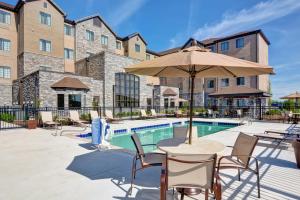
169,23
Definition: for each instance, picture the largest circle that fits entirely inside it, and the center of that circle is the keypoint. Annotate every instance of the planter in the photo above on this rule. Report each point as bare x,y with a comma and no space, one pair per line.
296,145
31,124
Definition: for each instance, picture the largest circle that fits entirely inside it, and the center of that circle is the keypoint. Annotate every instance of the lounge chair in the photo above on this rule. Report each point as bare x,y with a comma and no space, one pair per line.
185,172
178,113
154,114
47,120
144,114
146,159
210,113
109,116
94,114
240,157
239,113
74,117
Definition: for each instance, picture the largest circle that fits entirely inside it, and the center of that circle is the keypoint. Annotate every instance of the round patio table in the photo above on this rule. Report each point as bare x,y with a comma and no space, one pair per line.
198,146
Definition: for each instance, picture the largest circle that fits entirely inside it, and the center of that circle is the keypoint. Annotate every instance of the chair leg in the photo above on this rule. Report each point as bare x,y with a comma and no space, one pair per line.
132,174
239,174
182,195
206,194
258,184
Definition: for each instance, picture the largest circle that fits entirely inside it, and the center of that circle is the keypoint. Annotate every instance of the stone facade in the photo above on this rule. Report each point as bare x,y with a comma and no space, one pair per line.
36,87
6,94
31,62
104,66
83,45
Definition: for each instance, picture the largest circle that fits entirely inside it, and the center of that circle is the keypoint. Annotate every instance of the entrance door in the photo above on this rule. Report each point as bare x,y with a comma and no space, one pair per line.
61,101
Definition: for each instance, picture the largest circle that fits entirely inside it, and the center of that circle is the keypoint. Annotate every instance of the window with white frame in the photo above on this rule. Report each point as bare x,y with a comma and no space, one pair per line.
5,17
240,81
90,35
118,45
69,54
137,48
239,43
5,72
210,84
104,40
45,45
4,44
45,18
224,82
69,30
147,56
224,46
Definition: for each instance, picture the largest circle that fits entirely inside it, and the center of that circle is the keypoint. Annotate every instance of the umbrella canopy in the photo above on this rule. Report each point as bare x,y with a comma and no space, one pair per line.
295,95
197,62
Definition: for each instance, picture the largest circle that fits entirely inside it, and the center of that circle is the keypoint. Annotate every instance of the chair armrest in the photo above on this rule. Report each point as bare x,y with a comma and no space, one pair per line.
163,183
217,187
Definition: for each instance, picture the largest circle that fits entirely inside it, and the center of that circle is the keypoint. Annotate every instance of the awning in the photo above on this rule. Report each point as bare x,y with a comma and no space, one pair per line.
169,92
71,83
239,92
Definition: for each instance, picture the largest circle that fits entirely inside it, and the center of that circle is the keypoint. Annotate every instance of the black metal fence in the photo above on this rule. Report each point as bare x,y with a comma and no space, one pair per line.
18,117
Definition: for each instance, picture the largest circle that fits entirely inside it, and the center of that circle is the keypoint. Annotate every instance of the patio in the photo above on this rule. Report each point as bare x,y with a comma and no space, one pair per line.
37,165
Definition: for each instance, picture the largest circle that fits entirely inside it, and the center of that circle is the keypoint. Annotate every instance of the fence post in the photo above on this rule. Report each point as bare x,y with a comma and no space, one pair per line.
131,111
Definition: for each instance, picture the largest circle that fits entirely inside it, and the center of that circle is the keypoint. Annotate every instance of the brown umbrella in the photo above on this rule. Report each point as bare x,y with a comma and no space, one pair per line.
294,96
197,62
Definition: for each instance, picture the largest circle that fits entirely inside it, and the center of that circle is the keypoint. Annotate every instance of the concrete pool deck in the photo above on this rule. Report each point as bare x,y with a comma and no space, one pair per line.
36,165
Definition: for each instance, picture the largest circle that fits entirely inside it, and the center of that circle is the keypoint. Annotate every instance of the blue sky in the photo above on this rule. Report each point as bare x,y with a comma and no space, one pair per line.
169,23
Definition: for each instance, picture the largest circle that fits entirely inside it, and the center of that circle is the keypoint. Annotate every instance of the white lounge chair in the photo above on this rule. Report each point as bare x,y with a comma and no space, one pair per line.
109,116
74,117
154,114
47,120
144,114
94,114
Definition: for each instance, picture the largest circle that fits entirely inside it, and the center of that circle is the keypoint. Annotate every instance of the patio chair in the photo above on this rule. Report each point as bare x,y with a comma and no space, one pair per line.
183,132
154,114
239,113
185,172
240,157
47,120
109,116
146,159
144,114
74,117
178,113
210,113
94,114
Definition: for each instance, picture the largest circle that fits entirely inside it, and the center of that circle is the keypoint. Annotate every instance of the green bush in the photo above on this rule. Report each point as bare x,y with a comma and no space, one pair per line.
7,117
273,112
86,117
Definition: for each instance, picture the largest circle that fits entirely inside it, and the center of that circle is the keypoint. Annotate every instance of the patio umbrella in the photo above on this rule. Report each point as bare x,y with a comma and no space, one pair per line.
196,62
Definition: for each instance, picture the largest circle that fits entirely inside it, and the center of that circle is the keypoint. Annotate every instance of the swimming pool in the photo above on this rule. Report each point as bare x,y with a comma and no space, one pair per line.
154,135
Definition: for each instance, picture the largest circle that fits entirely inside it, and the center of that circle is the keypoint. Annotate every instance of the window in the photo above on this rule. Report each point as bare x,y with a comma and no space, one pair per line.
147,56
90,35
104,40
89,54
166,102
4,72
210,84
225,82
69,54
240,102
212,48
69,30
137,48
118,45
96,101
4,17
45,5
45,68
127,90
74,101
45,18
45,45
224,46
60,101
239,43
4,45
240,80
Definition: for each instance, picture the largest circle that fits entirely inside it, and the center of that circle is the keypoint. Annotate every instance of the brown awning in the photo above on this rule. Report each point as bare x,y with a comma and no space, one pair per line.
295,95
72,83
169,92
238,92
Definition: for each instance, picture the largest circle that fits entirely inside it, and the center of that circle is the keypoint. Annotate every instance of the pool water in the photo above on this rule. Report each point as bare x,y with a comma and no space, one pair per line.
153,136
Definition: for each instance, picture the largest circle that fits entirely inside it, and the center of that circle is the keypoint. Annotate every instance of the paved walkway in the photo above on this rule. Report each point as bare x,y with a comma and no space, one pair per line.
36,165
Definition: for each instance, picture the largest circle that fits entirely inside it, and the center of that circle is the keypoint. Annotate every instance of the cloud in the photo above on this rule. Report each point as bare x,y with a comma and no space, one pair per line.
125,11
257,15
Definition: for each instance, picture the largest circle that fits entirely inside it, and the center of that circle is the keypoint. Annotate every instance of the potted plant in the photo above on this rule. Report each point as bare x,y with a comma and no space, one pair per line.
296,145
31,123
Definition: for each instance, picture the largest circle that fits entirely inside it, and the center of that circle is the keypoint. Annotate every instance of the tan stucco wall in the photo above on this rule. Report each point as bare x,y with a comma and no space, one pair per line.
263,52
34,30
9,59
69,42
131,48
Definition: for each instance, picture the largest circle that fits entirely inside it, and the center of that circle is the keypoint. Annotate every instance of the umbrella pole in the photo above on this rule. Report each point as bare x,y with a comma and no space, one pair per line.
192,75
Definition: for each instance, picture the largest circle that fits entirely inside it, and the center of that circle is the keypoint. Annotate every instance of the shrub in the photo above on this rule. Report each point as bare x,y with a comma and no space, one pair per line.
7,117
273,112
86,117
